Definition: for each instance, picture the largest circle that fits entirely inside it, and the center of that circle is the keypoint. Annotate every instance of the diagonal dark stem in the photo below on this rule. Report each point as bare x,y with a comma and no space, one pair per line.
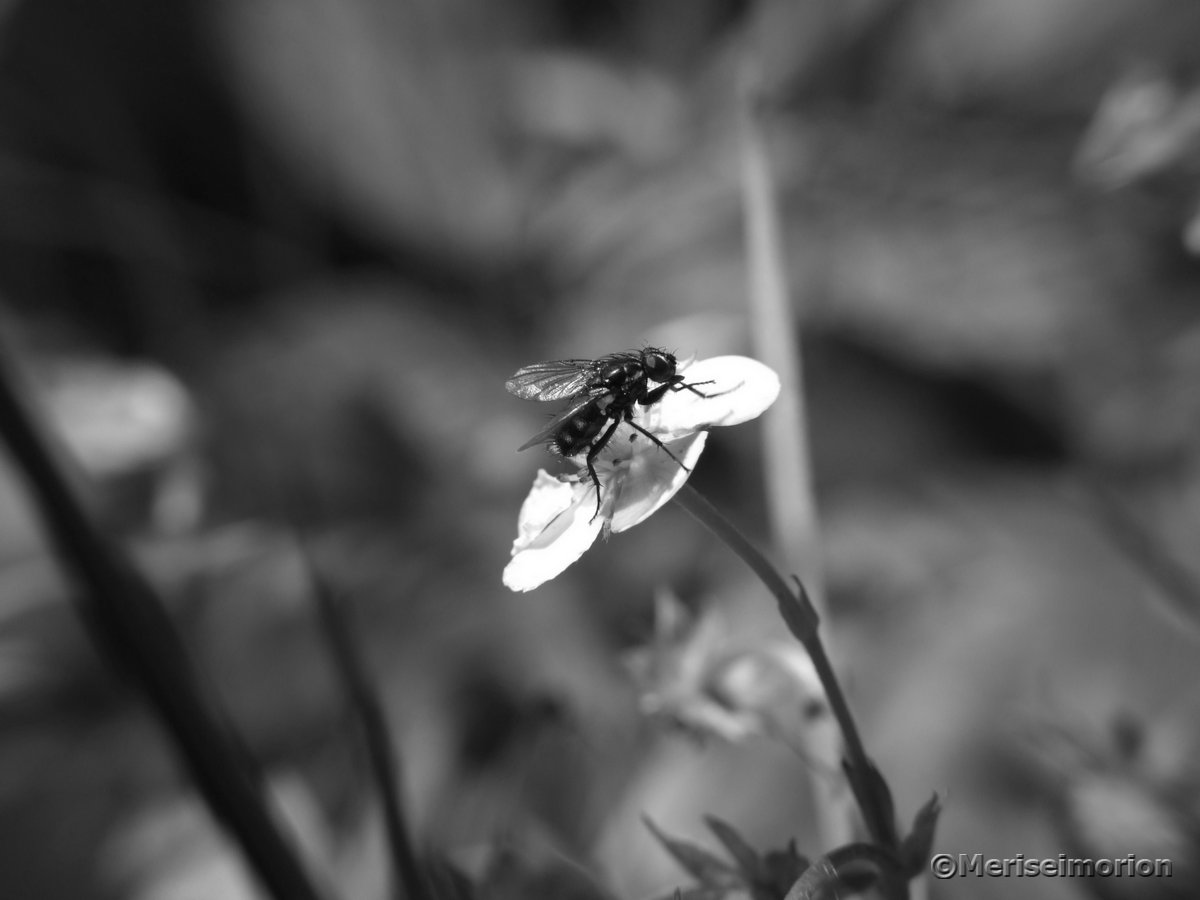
802,621
127,620
364,700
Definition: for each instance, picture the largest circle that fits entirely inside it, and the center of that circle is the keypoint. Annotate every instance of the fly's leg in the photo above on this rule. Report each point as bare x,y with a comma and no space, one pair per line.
593,451
657,443
680,385
683,385
659,392
691,386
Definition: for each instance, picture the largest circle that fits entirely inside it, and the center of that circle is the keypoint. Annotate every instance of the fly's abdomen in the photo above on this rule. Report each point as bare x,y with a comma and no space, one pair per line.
578,432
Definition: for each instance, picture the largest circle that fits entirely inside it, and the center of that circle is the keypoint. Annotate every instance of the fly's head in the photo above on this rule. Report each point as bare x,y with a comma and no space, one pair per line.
658,364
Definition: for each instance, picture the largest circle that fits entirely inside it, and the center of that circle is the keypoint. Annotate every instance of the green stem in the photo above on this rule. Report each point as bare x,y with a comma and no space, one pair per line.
802,620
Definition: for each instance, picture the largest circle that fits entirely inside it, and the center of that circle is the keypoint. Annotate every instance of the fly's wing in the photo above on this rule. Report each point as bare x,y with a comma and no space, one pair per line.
559,379
546,435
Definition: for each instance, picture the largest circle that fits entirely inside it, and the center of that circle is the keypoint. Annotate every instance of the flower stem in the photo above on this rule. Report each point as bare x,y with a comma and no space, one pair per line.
802,620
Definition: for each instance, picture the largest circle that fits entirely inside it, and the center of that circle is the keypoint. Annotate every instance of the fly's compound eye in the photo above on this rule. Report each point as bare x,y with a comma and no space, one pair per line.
659,366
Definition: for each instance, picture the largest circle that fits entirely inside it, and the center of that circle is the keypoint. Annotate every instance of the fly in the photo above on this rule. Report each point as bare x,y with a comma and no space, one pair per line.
603,393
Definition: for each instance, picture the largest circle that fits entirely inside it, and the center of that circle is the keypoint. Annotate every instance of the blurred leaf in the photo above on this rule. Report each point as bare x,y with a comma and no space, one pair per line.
916,847
745,855
706,868
764,878
781,869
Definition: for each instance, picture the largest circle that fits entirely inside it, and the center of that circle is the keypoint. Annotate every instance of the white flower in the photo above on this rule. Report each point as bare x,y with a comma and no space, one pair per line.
558,520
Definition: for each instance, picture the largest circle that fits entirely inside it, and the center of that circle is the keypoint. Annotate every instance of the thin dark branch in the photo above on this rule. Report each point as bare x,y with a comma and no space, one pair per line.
127,620
802,621
364,701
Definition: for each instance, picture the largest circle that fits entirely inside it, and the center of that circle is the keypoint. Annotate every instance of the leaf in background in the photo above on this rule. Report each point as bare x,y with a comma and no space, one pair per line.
706,868
745,855
782,868
916,847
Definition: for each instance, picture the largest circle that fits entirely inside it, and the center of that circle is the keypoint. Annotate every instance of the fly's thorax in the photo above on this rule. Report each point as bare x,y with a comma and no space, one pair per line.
621,376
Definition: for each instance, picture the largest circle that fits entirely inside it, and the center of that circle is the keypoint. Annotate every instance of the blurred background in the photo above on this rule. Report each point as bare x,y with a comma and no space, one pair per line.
267,264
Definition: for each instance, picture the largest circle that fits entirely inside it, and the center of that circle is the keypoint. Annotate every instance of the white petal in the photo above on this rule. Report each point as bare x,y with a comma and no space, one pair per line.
650,478
554,529
737,389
